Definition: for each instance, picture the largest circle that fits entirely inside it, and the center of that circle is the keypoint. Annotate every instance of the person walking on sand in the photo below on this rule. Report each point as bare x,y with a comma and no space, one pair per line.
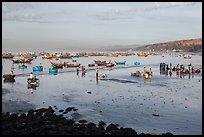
96,72
77,70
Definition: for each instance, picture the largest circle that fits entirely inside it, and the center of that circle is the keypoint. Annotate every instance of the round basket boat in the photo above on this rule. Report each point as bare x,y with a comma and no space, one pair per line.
51,70
137,63
37,69
22,67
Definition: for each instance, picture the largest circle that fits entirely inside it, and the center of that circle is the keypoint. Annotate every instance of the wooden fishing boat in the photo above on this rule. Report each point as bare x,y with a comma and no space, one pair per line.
72,65
100,63
7,56
142,54
91,65
57,65
47,57
28,56
65,56
120,63
22,61
109,64
187,57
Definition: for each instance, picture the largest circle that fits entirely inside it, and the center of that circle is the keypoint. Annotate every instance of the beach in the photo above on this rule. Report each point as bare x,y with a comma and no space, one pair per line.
163,104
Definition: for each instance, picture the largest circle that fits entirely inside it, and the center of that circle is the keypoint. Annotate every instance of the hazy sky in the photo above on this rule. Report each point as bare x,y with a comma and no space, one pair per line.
96,24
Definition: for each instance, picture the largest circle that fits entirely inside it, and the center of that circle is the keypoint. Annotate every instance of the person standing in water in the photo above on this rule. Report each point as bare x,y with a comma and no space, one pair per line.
77,70
96,72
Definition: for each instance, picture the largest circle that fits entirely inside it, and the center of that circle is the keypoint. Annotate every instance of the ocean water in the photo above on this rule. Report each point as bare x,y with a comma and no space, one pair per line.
119,98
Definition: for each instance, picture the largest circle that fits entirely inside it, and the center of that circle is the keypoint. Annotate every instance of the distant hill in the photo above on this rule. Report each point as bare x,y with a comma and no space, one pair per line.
191,45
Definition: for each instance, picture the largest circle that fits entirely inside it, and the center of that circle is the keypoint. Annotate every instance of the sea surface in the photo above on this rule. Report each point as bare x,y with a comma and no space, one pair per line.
162,104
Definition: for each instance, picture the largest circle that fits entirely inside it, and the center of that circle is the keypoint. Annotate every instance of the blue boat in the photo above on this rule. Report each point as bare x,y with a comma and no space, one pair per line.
22,67
120,63
37,68
53,71
137,63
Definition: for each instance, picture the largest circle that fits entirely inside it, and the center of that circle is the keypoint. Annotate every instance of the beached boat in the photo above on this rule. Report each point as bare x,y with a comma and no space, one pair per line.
112,55
187,57
22,67
57,65
28,56
120,63
91,65
71,65
142,54
38,68
47,57
137,63
22,61
7,56
65,56
52,70
100,63
110,64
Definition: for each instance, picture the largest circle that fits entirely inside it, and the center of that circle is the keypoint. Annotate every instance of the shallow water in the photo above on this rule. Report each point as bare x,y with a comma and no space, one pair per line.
119,98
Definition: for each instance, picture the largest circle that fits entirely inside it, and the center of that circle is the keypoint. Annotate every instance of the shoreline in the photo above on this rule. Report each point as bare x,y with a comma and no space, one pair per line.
43,121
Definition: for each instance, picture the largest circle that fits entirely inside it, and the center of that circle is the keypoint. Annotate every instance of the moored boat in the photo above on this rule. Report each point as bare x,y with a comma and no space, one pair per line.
53,70
22,67
100,63
57,65
91,65
7,56
38,68
71,65
110,64
137,63
142,54
120,63
22,61
187,57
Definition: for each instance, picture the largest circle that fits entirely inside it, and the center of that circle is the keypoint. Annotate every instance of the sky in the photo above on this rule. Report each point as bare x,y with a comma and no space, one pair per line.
89,25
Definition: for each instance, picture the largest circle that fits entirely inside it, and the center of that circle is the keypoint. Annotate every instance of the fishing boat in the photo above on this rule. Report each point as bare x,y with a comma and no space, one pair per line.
38,68
57,65
7,56
71,65
65,56
53,70
28,56
22,67
142,54
91,65
100,63
110,64
187,57
120,63
22,61
137,63
47,57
